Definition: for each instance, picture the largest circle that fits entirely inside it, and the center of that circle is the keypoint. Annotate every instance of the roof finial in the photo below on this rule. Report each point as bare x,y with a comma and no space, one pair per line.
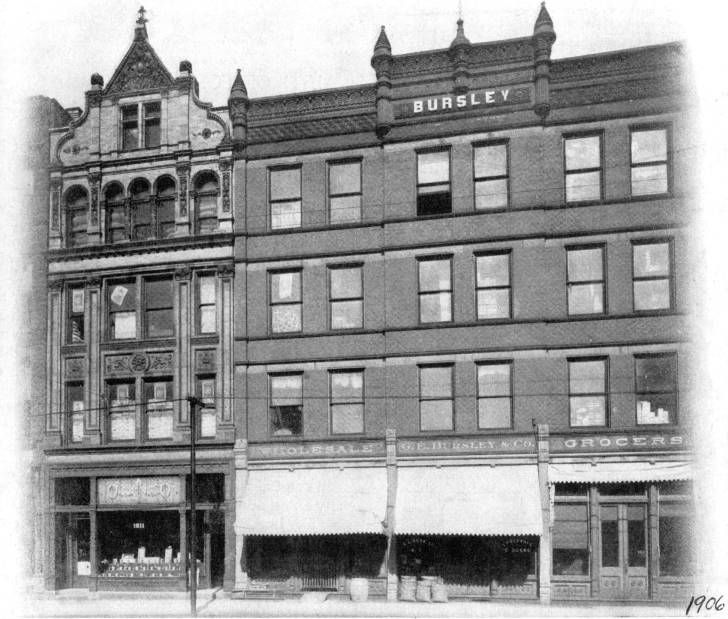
142,20
460,10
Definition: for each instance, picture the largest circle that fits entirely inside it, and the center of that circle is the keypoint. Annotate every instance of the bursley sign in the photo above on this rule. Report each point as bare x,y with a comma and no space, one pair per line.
477,99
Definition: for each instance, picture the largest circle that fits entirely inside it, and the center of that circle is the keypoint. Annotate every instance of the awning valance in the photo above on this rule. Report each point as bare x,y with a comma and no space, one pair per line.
619,472
468,500
324,501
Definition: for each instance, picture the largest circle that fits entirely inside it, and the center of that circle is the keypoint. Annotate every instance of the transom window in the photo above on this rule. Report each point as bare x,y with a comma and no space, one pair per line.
585,277
490,173
346,297
656,388
588,392
347,402
344,192
285,301
285,198
435,289
433,183
436,400
649,161
286,405
652,275
494,395
583,168
493,282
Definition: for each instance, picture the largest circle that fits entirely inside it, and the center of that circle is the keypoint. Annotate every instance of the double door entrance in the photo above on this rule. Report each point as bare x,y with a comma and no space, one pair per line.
624,555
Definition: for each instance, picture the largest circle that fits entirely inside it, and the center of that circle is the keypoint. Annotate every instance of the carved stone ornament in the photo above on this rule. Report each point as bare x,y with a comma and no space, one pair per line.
226,192
141,70
55,204
117,364
75,368
94,204
183,273
55,285
160,361
182,172
138,362
226,270
205,360
93,281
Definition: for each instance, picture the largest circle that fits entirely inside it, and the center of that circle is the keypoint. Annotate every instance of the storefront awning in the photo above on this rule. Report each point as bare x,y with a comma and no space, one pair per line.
618,472
468,500
324,501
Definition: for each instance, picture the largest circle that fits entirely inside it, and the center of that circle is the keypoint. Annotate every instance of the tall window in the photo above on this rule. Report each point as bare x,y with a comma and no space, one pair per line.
208,415
286,405
490,172
158,306
166,196
75,409
583,168
122,413
585,276
206,306
130,127
436,400
652,275
649,163
433,183
117,224
122,309
588,392
206,191
76,315
345,296
494,396
493,281
285,198
571,538
435,289
141,208
285,301
347,402
676,517
76,214
159,411
656,388
152,120
344,191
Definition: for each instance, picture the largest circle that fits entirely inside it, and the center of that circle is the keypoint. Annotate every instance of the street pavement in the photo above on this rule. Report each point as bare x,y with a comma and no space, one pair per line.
213,603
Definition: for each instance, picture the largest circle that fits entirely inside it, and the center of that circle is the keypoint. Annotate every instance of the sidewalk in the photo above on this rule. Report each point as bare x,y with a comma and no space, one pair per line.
214,603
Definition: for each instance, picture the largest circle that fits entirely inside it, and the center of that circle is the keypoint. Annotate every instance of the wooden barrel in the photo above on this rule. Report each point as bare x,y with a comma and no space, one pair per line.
407,588
359,589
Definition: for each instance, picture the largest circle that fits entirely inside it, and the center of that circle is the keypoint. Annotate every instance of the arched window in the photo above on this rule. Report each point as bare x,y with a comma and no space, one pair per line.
117,224
76,214
166,194
206,190
141,210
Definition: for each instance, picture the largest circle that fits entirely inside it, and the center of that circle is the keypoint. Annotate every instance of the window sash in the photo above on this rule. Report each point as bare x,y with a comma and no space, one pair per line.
495,401
583,168
493,290
585,280
347,402
652,276
588,392
433,169
649,161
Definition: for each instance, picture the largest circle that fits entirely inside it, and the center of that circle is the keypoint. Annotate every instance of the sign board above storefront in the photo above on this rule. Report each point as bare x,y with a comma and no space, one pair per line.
479,99
139,490
338,449
477,445
642,441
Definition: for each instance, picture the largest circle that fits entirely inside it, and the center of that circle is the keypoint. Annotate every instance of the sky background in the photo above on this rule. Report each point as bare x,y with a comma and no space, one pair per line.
52,48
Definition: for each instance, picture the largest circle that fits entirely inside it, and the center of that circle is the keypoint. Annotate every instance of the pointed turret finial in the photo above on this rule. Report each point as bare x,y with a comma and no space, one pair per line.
238,90
460,38
543,21
382,46
140,31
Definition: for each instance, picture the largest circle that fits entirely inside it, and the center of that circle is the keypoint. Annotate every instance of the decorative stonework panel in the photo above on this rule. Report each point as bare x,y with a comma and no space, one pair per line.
75,368
118,364
139,362
205,361
161,361
139,490
142,70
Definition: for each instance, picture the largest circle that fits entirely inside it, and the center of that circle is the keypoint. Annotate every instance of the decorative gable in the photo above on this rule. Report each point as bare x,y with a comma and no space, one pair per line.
141,68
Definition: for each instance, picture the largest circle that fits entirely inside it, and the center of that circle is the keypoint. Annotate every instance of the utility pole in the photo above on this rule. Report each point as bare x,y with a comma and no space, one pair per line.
195,403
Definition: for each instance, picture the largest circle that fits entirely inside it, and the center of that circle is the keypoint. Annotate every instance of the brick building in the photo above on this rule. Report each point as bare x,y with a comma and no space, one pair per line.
441,318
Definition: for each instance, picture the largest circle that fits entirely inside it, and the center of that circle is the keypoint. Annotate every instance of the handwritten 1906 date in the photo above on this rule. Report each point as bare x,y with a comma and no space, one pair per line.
703,602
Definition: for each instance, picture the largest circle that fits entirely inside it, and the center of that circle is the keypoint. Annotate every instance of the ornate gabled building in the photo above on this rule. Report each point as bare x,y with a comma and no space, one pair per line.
439,317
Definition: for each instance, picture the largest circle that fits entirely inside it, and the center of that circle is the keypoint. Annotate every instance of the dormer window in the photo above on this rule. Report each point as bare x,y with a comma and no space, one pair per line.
150,114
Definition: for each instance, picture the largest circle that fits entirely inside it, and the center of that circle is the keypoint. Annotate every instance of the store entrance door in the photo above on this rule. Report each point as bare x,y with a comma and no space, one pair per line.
624,573
73,566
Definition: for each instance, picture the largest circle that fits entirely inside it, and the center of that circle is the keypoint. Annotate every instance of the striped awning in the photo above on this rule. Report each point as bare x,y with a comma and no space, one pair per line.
322,501
468,500
619,472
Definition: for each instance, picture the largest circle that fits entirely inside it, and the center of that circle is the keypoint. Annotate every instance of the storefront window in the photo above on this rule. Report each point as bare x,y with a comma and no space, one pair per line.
676,548
571,539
